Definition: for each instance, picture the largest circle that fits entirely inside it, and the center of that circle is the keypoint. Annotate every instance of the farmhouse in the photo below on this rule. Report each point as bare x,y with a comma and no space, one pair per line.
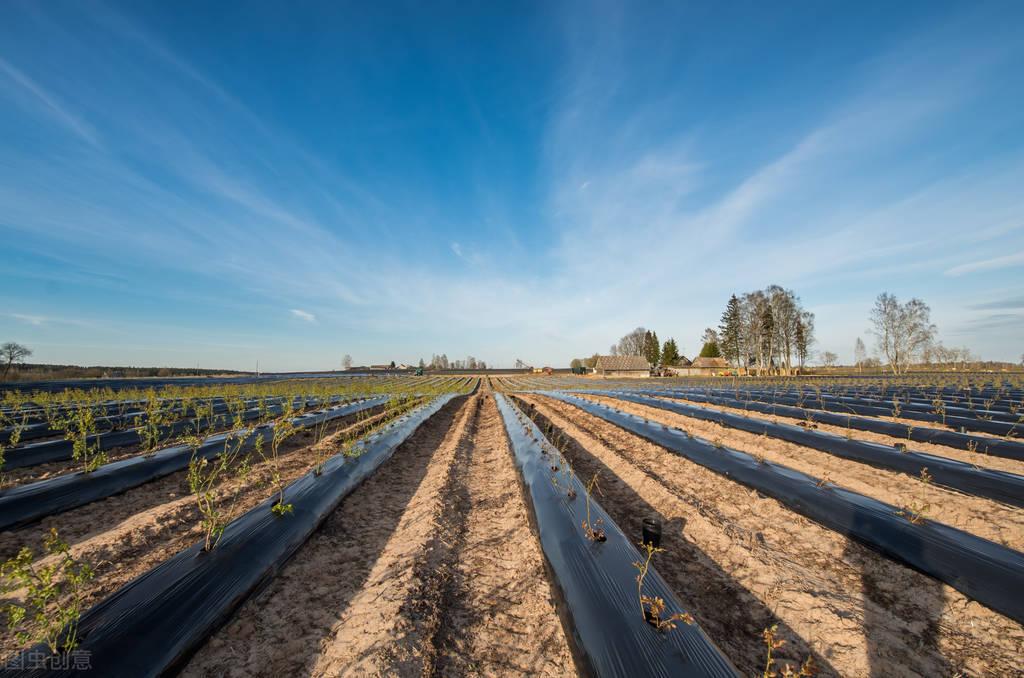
622,366
701,367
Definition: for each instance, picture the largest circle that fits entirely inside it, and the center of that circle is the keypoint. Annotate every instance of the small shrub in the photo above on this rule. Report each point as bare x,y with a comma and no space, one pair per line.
914,513
203,476
150,422
53,595
652,607
773,643
594,531
80,429
282,431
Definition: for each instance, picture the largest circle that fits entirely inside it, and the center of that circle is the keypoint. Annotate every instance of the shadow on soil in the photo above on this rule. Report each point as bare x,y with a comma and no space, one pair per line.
731,615
401,475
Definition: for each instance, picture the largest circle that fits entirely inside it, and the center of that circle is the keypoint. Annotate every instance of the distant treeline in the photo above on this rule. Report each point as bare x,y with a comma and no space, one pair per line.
39,372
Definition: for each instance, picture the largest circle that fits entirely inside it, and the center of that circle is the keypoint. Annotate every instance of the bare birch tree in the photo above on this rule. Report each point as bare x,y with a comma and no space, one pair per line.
632,344
902,331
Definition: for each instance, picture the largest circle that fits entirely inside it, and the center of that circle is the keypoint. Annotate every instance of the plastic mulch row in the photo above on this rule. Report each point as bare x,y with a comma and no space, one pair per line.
982,570
597,580
48,451
152,625
25,504
887,407
981,482
1009,449
999,428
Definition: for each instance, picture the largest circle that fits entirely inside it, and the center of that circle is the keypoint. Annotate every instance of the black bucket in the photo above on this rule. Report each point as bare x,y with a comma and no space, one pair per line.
652,532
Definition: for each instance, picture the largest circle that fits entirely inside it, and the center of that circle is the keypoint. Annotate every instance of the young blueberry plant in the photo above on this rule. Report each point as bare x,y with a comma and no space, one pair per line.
319,448
283,429
593,530
80,429
772,642
12,441
150,422
53,595
203,476
914,513
652,607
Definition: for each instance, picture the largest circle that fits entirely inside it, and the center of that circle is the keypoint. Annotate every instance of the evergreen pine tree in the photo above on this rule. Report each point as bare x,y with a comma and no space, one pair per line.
646,350
729,332
710,350
670,352
800,339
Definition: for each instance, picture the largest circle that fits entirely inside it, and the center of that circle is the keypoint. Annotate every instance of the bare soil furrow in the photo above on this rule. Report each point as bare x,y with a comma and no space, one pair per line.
499,619
334,609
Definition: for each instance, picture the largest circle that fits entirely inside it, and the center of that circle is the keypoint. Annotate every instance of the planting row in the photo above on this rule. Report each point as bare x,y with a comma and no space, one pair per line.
968,478
152,624
30,502
746,562
624,617
983,570
1010,449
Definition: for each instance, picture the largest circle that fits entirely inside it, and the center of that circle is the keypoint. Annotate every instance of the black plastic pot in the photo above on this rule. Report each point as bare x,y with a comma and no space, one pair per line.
652,532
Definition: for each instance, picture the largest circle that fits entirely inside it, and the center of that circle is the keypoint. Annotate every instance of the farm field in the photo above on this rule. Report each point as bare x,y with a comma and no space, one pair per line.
495,525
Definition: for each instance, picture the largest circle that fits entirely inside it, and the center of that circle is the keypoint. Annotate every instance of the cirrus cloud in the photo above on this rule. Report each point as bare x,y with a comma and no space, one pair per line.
303,315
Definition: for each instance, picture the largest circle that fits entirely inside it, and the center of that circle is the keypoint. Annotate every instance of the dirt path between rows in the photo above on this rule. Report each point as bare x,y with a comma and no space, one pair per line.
30,474
499,619
986,518
745,562
976,458
127,535
411,575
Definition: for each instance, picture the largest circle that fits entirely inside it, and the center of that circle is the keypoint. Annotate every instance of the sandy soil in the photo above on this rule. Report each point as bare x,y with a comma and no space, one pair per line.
978,459
31,474
127,535
744,562
425,584
986,518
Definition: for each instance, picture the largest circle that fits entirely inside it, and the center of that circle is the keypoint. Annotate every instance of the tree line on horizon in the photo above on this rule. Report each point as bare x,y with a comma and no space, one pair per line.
770,332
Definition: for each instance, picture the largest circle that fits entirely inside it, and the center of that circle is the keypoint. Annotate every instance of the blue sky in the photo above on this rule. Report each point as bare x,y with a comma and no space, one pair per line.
217,183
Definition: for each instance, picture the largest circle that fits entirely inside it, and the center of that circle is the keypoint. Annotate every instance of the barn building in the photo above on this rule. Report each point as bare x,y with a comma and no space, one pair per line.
613,366
701,367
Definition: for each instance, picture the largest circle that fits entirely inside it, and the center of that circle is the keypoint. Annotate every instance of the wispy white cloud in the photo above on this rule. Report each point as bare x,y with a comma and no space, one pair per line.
35,320
303,315
50,105
638,227
990,264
